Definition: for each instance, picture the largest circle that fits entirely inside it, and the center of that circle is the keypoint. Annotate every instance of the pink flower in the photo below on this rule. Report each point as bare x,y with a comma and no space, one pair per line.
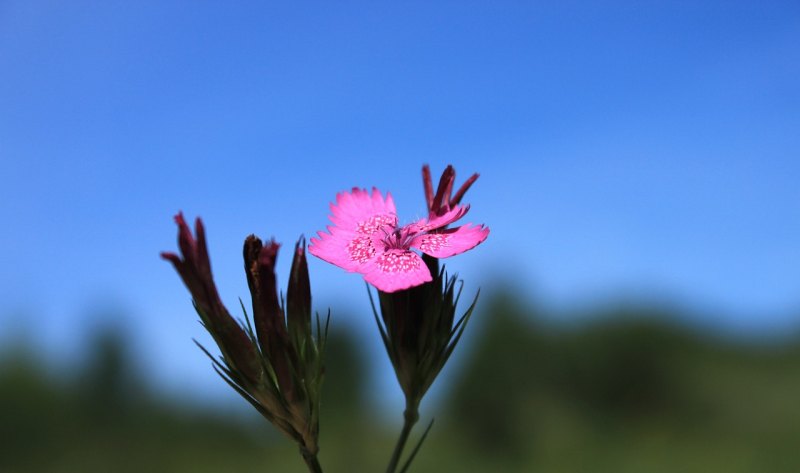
365,238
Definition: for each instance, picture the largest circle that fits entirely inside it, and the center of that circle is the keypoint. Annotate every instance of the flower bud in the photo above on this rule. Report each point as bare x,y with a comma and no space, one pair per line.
267,368
419,334
298,296
194,268
267,313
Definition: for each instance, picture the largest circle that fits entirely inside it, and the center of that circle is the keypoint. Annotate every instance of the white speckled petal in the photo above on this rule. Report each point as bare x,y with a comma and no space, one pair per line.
395,270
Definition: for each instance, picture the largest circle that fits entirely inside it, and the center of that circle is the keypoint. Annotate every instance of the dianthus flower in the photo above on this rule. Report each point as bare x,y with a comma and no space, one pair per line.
365,238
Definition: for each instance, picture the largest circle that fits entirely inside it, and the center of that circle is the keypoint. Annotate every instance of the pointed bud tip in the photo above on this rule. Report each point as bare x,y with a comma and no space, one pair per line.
300,246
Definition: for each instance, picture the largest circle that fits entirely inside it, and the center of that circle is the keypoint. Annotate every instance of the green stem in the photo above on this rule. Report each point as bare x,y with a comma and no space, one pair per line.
311,461
410,417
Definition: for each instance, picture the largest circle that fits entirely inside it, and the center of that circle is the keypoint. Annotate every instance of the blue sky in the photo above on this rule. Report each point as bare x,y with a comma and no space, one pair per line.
637,149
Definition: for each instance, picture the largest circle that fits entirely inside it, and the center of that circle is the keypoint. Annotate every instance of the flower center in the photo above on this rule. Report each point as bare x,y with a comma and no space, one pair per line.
399,238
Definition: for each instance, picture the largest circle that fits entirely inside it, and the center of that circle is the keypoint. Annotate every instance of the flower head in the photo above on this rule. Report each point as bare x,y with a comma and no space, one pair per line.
365,238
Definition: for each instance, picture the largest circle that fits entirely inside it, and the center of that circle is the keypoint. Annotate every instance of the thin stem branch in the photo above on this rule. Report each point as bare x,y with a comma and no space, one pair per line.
410,417
311,461
413,453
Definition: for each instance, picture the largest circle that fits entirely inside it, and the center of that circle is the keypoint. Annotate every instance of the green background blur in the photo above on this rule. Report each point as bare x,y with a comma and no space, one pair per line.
626,390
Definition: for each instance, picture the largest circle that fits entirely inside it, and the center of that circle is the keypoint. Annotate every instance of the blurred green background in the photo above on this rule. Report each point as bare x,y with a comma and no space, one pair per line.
628,389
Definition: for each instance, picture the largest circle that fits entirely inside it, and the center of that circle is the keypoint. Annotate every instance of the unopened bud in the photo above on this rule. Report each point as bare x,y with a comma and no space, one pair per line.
298,295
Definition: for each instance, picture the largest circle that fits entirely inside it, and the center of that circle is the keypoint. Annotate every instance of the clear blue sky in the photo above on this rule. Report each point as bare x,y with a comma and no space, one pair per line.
638,148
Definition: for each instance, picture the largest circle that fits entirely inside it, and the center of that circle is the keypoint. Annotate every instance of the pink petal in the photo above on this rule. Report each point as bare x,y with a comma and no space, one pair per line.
363,212
395,270
443,220
354,239
450,242
346,249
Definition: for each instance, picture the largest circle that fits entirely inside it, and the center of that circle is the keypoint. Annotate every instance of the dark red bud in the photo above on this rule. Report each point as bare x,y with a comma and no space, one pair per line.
252,247
272,315
267,313
298,296
195,271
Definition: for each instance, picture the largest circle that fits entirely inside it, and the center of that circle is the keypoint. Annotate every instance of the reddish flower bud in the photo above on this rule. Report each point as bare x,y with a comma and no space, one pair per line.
280,377
194,268
267,313
298,295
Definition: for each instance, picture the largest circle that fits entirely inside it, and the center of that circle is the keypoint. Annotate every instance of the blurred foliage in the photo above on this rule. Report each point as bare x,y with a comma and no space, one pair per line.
629,390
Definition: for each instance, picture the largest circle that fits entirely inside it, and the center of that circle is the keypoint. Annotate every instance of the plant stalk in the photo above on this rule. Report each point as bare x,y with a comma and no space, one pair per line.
410,417
311,461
